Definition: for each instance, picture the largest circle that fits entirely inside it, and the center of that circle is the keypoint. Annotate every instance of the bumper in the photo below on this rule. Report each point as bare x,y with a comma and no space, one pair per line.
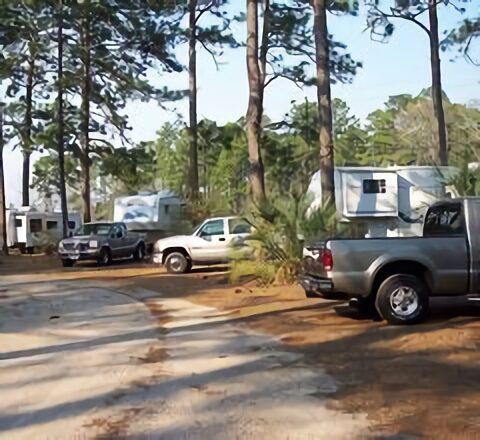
157,258
80,256
319,287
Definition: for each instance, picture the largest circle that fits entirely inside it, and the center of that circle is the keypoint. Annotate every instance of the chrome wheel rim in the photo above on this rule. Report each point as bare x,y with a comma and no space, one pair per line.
176,263
404,301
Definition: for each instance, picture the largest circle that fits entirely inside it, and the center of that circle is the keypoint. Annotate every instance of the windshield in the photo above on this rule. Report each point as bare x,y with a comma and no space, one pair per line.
94,229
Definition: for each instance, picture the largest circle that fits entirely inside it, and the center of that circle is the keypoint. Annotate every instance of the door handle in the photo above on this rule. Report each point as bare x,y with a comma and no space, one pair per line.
221,239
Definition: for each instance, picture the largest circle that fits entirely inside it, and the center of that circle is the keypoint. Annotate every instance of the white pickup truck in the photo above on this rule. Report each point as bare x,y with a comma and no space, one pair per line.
209,244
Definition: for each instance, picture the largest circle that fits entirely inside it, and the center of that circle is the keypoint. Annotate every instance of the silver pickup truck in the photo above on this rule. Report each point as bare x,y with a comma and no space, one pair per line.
101,242
399,275
209,244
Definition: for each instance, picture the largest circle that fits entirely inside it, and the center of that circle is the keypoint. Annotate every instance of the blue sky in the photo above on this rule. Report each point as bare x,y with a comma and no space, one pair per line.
401,66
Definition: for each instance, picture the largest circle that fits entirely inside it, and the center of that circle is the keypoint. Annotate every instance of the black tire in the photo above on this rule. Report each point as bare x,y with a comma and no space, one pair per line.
403,299
68,263
177,263
140,253
105,257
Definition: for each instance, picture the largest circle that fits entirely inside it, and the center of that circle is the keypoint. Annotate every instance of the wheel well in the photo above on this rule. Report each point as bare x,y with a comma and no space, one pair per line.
397,267
171,250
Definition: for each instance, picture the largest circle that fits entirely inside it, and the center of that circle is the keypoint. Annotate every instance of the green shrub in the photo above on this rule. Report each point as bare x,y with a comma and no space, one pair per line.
281,229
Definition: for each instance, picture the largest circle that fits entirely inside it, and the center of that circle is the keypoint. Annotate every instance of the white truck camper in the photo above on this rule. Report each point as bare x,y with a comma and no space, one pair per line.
390,201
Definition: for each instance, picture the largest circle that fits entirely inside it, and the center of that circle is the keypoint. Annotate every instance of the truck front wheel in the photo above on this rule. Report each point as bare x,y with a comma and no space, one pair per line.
402,299
177,263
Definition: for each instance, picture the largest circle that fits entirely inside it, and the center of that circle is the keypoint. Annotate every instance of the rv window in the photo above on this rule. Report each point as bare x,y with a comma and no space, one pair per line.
35,225
18,223
374,186
52,225
72,225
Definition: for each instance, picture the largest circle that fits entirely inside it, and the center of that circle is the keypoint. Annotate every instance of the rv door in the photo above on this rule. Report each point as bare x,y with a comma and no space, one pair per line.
34,229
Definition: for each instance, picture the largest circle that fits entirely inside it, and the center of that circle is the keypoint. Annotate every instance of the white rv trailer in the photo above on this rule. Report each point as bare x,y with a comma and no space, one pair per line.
27,228
390,201
149,211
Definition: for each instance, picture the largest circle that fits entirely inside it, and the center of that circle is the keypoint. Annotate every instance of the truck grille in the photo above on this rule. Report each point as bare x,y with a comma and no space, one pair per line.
75,246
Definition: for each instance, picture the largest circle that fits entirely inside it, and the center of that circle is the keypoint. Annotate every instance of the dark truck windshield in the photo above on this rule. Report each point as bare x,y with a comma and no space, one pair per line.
94,229
444,221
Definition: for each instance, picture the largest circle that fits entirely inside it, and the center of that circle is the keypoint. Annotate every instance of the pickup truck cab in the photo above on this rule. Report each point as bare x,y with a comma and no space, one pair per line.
399,275
209,244
101,242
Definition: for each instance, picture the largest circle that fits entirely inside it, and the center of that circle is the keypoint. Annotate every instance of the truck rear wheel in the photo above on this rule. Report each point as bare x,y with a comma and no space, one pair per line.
177,263
403,299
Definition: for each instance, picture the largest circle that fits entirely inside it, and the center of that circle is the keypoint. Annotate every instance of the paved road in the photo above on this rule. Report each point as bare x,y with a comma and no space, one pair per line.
83,360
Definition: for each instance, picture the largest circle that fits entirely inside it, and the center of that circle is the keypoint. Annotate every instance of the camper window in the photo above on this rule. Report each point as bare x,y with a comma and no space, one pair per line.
52,225
18,223
36,225
374,186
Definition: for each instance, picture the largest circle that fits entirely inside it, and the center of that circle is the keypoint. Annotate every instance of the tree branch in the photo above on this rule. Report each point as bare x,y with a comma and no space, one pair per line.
210,51
281,75
205,9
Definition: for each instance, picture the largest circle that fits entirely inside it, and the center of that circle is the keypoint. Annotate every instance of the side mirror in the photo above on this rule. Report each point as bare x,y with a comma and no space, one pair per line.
70,234
112,235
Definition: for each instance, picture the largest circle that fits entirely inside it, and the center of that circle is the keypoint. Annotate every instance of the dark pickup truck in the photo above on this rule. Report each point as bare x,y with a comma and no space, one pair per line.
399,275
101,242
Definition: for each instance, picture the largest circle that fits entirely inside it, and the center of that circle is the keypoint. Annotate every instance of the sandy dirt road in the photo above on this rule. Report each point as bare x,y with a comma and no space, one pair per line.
90,359
411,382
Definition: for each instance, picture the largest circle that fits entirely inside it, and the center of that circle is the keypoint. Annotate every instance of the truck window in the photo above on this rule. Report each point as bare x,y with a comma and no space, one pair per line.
374,186
214,227
444,221
52,225
18,223
238,226
35,225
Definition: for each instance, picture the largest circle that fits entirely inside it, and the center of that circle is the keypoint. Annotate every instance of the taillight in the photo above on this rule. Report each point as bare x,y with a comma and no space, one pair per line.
327,259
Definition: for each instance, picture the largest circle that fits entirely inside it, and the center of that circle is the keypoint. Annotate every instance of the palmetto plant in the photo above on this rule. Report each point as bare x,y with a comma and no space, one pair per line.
281,228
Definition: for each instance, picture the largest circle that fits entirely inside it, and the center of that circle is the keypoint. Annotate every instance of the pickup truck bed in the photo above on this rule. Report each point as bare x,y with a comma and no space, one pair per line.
445,261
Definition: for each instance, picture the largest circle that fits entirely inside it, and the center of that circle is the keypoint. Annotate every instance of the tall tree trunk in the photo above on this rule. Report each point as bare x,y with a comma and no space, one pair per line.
442,157
27,141
85,41
3,220
192,72
324,101
60,122
254,111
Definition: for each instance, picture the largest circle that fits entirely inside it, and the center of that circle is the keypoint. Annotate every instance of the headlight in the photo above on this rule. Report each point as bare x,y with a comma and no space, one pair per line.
93,244
157,248
60,246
